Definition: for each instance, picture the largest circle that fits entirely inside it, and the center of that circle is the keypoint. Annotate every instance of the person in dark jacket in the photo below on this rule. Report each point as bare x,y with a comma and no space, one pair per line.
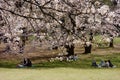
25,63
94,64
28,63
110,63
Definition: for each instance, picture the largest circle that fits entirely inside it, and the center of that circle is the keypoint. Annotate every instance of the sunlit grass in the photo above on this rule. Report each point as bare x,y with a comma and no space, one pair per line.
59,74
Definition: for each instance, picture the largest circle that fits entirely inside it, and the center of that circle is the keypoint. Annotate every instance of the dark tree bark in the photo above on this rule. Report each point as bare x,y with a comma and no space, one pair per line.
91,36
87,48
88,45
114,2
55,47
111,42
70,49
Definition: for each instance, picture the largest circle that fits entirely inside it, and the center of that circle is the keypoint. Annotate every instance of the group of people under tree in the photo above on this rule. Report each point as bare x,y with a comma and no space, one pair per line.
25,63
106,63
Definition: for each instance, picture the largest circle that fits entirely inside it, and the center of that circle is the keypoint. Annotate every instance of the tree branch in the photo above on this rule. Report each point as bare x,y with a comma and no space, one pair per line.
12,12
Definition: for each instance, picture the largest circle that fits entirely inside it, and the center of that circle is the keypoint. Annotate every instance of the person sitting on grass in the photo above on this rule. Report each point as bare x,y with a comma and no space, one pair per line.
75,57
25,63
94,64
110,64
106,63
102,63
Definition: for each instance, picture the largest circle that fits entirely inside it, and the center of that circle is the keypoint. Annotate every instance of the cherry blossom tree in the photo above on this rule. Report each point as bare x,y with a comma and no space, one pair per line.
56,22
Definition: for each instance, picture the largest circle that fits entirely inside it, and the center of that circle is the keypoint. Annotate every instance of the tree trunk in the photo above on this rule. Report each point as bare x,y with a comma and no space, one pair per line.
24,38
111,43
21,47
69,50
87,47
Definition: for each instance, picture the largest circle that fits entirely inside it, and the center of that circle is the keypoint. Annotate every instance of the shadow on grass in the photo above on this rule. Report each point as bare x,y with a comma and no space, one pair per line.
84,62
65,64
5,64
47,65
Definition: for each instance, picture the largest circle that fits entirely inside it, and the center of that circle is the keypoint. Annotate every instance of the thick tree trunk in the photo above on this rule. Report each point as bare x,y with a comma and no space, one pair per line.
87,47
69,50
111,43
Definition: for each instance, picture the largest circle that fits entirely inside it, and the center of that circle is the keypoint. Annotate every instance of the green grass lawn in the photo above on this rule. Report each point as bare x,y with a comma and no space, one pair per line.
59,74
83,62
73,70
57,70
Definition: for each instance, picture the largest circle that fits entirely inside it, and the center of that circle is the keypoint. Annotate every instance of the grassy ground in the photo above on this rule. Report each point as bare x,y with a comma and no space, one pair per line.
83,62
59,74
